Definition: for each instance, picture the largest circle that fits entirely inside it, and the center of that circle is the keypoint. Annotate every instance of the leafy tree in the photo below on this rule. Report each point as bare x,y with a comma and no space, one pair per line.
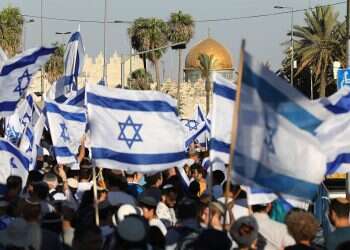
149,34
318,44
55,66
181,29
206,65
11,26
140,80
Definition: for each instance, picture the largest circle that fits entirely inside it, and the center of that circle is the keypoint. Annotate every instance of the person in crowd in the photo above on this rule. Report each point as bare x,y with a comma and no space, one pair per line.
275,233
134,188
153,184
302,226
148,201
117,186
68,216
199,174
34,176
194,190
13,188
52,182
87,238
40,194
84,183
165,208
218,178
245,233
339,211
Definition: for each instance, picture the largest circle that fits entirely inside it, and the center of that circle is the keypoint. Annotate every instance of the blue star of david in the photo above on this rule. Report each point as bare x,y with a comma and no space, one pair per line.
136,137
25,119
23,82
271,129
192,125
64,133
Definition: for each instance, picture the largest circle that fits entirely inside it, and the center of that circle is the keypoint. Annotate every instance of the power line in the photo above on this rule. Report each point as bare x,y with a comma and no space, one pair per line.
197,21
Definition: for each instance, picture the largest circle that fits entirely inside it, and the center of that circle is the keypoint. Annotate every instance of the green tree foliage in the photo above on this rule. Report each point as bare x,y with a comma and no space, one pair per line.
206,65
181,29
318,43
140,80
148,34
11,25
55,66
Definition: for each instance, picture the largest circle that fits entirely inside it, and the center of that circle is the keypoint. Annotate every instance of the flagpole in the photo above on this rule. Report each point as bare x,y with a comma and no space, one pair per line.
235,117
104,45
42,42
97,218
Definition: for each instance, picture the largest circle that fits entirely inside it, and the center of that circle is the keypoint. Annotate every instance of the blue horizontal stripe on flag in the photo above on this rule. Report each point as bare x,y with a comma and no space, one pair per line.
26,60
50,107
62,152
8,106
121,104
335,109
272,180
137,159
6,146
334,165
219,146
224,91
78,98
193,137
279,102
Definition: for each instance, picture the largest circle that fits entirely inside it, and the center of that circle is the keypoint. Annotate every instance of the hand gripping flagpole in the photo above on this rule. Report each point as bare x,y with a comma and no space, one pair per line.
235,117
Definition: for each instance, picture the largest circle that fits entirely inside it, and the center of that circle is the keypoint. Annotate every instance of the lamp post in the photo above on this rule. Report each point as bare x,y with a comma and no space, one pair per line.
291,40
63,34
24,32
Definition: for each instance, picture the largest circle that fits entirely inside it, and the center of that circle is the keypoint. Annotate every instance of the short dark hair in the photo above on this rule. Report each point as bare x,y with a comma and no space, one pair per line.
187,209
41,189
152,179
84,173
259,208
341,209
233,188
34,176
13,182
116,180
218,177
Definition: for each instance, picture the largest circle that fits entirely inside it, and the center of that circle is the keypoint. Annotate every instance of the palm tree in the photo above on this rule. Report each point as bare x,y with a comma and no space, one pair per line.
55,66
206,65
140,79
11,25
181,29
150,34
318,44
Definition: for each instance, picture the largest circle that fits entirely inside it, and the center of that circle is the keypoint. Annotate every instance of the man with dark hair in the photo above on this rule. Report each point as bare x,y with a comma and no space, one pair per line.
117,187
13,187
339,210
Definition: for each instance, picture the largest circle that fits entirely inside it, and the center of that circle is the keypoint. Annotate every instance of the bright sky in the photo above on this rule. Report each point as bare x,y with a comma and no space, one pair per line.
263,35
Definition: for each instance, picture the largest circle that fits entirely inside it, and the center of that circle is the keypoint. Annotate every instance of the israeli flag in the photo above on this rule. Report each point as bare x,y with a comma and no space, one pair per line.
19,120
224,94
77,98
276,144
256,195
16,75
73,60
28,147
67,126
197,135
134,130
13,162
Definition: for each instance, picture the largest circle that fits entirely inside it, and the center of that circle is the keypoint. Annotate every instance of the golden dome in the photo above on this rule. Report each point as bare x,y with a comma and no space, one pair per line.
209,46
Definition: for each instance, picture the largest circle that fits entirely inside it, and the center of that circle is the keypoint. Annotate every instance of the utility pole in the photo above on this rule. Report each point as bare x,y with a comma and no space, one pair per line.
42,43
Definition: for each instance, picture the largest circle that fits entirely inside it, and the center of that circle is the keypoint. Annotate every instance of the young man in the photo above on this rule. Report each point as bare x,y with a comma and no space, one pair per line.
165,208
339,210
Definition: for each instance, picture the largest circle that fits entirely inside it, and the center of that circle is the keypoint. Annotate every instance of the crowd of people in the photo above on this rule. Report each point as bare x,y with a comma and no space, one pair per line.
58,208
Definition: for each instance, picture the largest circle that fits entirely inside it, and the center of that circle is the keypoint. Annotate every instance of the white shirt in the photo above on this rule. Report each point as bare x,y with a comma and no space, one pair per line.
165,213
82,187
275,233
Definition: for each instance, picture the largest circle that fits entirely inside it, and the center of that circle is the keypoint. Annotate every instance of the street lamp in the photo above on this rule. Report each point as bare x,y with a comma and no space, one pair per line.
291,39
24,32
63,34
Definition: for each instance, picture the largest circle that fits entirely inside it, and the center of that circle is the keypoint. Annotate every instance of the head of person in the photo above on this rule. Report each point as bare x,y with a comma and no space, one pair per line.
148,203
51,180
34,176
187,209
169,195
196,171
116,181
87,238
154,180
204,201
339,210
13,187
84,173
131,176
40,191
218,177
233,190
217,211
194,188
193,154
302,226
245,232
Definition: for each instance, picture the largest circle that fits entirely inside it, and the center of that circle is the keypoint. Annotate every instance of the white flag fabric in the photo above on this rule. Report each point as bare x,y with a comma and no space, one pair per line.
67,126
19,120
73,60
256,195
134,130
13,162
28,147
224,94
276,147
76,98
16,75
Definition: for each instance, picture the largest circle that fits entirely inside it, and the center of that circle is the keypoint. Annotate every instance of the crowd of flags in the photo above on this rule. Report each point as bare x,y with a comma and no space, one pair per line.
286,143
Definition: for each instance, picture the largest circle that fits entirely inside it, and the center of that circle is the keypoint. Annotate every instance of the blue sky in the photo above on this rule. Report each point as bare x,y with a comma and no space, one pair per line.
263,35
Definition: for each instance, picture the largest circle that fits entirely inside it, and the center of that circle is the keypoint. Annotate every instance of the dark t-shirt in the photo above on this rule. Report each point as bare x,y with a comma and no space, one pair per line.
300,247
339,235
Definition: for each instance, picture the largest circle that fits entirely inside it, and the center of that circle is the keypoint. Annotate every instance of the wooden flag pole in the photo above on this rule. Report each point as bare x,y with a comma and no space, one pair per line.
97,218
235,117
